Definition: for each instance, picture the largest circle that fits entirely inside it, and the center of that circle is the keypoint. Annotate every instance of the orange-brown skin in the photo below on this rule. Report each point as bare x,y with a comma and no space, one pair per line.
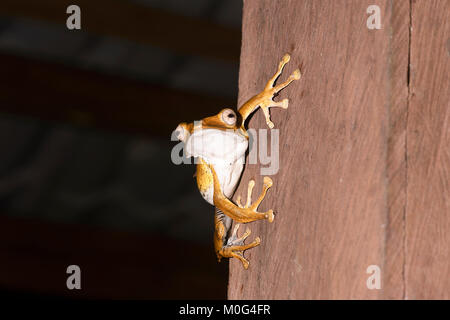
239,214
216,122
206,175
264,98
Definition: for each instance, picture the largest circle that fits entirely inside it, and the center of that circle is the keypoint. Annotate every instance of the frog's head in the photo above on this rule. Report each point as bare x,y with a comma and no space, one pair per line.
226,119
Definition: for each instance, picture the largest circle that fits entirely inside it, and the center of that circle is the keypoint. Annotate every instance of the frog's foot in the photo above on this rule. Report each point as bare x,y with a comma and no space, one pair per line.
234,240
264,99
235,246
269,215
233,211
271,89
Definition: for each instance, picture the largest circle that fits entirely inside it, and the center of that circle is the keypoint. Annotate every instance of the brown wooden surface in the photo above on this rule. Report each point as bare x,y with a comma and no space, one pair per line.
138,23
428,196
114,265
348,194
51,91
396,21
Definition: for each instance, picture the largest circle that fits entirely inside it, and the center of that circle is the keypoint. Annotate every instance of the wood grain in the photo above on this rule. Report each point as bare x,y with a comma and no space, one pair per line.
428,147
393,272
340,191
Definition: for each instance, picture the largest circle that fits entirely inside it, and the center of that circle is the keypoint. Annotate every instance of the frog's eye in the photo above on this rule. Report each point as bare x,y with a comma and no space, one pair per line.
229,117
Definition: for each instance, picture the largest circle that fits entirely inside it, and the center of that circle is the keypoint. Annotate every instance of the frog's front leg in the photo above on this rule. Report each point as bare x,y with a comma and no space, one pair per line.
264,99
240,214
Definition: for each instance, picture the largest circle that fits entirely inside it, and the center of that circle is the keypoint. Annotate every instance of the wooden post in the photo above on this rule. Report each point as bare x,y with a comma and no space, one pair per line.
363,149
427,267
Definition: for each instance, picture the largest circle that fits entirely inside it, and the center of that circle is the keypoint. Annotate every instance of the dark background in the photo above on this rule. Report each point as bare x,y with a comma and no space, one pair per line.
86,115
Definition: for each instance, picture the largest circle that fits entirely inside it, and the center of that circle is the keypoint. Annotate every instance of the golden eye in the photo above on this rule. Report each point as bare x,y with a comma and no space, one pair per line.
229,117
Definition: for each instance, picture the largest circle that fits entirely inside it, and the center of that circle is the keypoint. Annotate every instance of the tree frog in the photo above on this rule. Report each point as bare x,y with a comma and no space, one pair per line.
220,143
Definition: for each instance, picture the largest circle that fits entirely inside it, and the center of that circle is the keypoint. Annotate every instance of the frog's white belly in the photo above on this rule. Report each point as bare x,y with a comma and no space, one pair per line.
225,150
228,175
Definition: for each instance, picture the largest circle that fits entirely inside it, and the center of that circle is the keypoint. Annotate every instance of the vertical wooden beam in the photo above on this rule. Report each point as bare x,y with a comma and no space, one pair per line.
428,142
339,194
398,22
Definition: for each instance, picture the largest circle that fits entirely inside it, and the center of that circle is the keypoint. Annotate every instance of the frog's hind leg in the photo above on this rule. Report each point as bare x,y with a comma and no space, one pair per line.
235,243
240,214
234,247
